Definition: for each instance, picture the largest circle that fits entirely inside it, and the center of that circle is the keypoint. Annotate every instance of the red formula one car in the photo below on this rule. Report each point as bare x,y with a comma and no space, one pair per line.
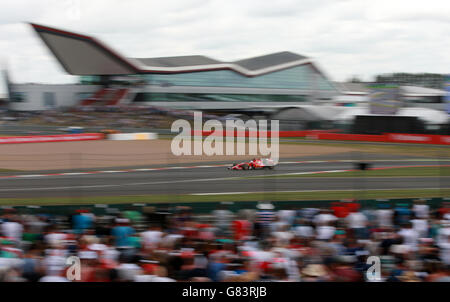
257,163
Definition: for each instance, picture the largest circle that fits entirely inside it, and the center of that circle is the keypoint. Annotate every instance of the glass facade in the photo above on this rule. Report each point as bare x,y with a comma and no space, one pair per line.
300,77
427,99
18,97
199,97
87,80
49,99
303,78
324,84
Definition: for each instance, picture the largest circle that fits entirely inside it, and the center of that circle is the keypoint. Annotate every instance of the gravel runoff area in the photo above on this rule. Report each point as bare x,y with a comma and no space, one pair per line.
105,153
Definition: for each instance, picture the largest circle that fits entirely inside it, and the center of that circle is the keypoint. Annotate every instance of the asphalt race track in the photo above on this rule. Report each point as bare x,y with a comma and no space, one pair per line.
212,180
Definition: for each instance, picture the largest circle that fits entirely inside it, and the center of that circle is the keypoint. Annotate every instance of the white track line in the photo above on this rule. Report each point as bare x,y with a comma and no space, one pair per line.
121,185
207,166
177,181
305,191
135,183
294,173
221,193
35,175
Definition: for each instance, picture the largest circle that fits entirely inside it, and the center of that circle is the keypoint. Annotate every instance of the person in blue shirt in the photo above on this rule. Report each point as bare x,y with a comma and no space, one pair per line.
402,214
122,233
81,221
216,265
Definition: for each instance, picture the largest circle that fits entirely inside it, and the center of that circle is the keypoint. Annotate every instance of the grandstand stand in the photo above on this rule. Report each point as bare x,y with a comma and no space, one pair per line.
106,97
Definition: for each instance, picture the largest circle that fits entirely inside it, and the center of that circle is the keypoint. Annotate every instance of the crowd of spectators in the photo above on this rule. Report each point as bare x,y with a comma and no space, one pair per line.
103,116
147,244
114,117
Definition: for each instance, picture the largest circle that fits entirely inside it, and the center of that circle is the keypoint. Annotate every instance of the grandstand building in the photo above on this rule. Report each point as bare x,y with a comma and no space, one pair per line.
107,78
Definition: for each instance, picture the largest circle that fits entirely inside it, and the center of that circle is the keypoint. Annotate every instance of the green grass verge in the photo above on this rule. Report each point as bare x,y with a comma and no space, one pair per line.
394,172
8,170
273,196
422,150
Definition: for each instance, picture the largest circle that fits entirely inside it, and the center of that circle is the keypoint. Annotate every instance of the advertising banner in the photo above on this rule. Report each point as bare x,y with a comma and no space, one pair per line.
50,138
447,89
385,99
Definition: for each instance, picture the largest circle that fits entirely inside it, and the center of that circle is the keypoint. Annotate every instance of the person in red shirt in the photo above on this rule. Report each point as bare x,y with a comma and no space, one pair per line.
339,210
444,209
241,229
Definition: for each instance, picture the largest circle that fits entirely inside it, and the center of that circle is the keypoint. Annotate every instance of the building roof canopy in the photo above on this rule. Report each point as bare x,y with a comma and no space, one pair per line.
84,55
178,61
